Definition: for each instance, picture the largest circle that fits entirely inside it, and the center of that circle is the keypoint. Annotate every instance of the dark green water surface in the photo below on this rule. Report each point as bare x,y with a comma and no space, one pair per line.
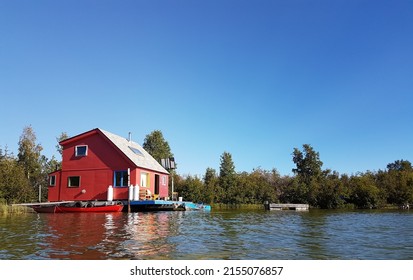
237,235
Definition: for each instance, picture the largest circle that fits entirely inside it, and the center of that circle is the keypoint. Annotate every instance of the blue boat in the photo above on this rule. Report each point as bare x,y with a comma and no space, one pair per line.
196,206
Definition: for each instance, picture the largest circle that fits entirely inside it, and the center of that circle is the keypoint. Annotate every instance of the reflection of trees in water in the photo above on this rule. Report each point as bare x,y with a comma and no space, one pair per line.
21,237
316,234
312,236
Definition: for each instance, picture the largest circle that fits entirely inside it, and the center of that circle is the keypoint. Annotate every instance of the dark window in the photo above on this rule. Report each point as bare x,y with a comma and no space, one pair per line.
73,181
121,179
52,180
81,151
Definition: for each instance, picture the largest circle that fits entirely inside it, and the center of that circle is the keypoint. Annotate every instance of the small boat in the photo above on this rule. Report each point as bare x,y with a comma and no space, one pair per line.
44,208
78,207
191,206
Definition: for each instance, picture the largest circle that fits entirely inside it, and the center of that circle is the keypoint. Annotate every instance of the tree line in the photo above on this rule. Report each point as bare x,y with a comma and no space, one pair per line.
22,175
310,184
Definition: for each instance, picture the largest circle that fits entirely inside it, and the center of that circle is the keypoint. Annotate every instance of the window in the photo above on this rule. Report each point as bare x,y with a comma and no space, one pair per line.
52,180
144,179
73,181
121,179
81,151
163,180
136,151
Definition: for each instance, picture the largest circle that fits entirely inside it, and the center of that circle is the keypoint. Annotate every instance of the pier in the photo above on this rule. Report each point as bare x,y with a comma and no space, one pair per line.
166,205
287,206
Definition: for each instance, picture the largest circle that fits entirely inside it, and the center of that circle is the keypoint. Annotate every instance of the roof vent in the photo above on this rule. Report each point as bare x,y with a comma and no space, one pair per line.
130,137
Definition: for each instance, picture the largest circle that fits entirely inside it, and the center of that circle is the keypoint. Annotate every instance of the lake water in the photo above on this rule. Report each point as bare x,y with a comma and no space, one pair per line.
233,235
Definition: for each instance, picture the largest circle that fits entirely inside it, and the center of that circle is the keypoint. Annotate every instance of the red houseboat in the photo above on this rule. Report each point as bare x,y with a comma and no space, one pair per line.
100,166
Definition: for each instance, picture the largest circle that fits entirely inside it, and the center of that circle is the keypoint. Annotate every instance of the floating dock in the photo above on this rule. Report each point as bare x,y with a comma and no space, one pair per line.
165,205
134,206
287,206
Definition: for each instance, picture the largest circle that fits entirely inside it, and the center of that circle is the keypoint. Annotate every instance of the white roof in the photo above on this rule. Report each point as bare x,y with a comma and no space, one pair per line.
135,152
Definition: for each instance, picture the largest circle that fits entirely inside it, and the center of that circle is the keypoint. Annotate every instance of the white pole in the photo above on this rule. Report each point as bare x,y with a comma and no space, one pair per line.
128,177
172,185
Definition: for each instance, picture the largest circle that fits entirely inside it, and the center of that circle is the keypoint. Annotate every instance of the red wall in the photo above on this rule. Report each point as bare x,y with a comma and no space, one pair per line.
96,171
53,191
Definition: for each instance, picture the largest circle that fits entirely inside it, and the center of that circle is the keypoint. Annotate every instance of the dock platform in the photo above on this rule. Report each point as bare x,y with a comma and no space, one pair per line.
287,206
165,205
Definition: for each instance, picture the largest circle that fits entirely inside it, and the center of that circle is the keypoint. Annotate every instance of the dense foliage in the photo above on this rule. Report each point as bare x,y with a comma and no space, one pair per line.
24,177
309,184
21,176
156,145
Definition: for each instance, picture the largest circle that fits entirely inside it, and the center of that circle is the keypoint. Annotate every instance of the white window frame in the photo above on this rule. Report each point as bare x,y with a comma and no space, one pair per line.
145,179
163,180
77,151
52,180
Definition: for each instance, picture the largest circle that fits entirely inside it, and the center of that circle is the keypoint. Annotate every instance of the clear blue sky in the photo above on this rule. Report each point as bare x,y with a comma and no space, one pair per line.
253,78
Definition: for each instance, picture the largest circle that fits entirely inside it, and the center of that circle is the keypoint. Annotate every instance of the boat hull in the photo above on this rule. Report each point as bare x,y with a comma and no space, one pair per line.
44,209
109,208
77,208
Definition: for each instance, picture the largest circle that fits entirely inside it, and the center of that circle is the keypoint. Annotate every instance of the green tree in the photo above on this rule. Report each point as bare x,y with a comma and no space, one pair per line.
397,182
400,165
29,156
258,186
227,178
308,174
192,188
212,190
331,193
62,136
250,187
364,192
57,164
156,145
270,186
294,192
14,185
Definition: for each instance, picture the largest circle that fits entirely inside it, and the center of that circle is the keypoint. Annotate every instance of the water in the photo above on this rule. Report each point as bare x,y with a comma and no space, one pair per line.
237,235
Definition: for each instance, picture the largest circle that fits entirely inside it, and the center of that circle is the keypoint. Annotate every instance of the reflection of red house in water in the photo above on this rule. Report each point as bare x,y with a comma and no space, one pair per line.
97,159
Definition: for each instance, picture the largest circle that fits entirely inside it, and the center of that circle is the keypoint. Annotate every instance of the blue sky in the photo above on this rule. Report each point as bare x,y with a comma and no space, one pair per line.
253,78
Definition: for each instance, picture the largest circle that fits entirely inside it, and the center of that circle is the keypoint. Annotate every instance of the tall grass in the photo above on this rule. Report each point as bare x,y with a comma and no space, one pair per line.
223,206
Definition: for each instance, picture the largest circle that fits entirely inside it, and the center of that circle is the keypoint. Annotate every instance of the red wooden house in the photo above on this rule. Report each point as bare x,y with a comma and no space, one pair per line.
97,159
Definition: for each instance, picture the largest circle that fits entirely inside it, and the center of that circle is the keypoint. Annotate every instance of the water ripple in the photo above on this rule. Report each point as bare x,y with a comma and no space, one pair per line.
216,235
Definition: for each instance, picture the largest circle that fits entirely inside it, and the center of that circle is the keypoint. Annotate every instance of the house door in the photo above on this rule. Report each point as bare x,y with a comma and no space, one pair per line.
156,184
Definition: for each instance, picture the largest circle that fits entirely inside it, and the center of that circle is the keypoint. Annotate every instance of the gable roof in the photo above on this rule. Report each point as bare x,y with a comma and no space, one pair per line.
134,152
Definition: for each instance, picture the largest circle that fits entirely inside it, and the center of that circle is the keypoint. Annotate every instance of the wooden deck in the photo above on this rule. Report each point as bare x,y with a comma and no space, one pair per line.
288,206
166,205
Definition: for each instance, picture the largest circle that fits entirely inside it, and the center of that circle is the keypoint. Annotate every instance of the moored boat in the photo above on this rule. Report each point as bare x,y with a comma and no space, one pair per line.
44,208
78,207
190,206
